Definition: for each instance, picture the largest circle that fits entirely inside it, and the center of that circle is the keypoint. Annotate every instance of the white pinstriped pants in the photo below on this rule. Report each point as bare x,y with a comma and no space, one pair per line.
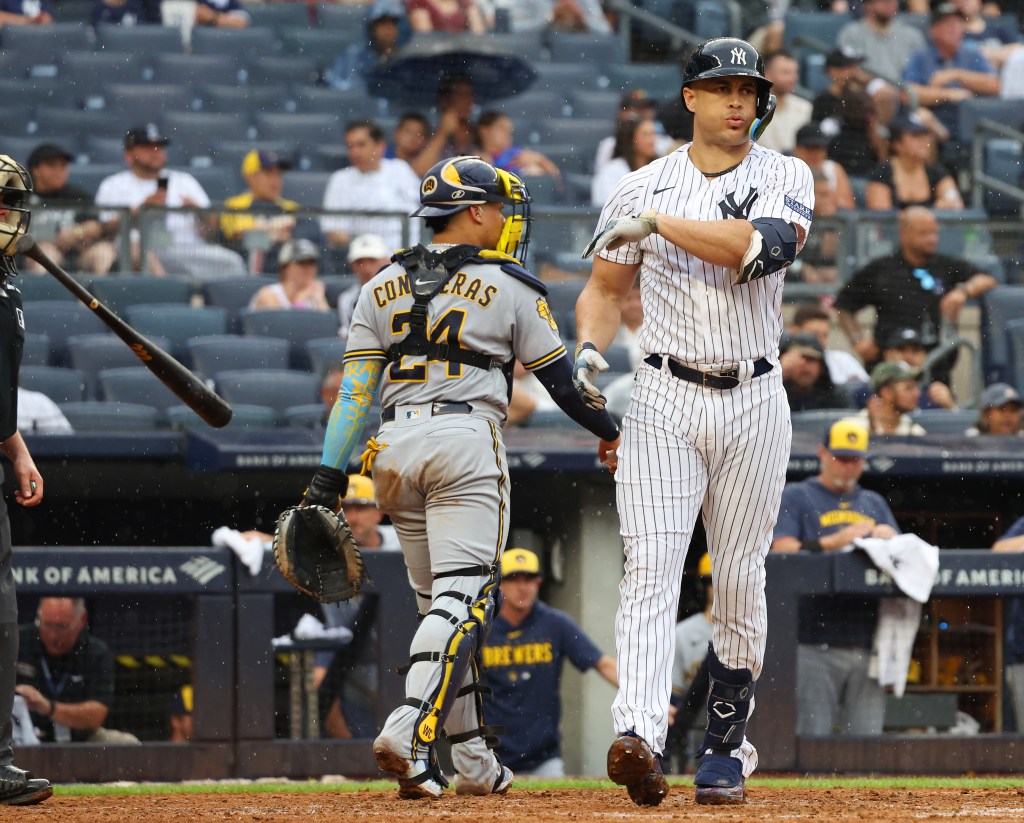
687,449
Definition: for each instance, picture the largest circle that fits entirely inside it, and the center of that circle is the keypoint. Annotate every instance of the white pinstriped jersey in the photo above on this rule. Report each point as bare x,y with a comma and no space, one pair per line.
692,310
481,308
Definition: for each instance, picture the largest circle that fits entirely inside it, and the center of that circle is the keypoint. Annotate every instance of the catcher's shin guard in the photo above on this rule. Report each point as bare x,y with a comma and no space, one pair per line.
732,691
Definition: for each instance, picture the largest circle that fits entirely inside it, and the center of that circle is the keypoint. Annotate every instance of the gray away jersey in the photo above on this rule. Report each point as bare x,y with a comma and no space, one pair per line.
481,307
692,310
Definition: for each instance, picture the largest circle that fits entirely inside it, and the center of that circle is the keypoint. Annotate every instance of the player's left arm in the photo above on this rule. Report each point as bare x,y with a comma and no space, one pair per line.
606,667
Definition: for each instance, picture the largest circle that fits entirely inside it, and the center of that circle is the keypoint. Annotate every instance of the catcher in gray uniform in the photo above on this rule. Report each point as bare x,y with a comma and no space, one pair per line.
439,330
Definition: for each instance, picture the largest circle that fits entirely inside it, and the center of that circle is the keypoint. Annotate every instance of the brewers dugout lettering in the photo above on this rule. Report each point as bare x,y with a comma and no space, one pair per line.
711,229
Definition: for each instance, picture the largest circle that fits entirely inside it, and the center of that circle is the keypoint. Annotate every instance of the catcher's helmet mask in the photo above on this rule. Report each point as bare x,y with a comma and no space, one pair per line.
452,185
729,57
15,187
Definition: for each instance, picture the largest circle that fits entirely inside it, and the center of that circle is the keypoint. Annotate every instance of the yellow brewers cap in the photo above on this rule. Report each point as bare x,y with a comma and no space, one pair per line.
847,438
704,566
519,561
255,161
360,490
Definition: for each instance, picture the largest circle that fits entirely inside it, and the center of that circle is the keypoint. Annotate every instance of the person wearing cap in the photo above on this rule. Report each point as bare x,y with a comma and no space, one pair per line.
636,145
297,286
826,513
906,345
805,378
371,183
266,211
1000,412
910,177
914,287
811,318
848,115
523,658
947,71
148,182
61,222
895,393
179,715
386,30
633,103
223,14
791,110
367,255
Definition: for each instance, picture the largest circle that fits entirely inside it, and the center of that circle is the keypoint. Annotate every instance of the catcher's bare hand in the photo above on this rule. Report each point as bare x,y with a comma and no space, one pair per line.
622,230
608,453
589,364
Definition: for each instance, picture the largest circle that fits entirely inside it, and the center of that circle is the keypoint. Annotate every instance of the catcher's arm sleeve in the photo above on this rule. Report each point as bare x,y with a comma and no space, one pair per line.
358,388
556,377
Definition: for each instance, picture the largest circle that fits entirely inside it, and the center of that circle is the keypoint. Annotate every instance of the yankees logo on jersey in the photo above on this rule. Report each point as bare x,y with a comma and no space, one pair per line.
737,211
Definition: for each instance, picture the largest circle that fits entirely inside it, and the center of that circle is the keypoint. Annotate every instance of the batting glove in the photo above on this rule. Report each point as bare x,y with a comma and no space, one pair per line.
589,364
622,230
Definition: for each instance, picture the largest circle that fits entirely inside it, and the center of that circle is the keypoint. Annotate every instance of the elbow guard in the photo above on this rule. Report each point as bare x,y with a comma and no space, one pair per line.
772,248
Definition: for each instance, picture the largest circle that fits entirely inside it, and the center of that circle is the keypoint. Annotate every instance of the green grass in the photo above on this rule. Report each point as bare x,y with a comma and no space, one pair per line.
818,782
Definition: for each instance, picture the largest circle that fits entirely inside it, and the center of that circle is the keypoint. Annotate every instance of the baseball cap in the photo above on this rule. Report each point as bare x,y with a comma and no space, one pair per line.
704,566
297,250
999,394
636,99
256,161
181,701
907,124
811,136
944,10
889,372
901,338
147,135
519,561
360,491
806,344
48,151
842,58
367,246
847,438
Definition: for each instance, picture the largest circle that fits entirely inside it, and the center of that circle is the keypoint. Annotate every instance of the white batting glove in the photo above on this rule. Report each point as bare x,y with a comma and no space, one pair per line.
589,364
622,230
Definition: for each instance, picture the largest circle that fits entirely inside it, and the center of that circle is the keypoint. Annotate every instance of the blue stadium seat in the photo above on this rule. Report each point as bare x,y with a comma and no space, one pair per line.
102,150
177,323
999,307
306,187
596,104
139,39
1015,335
91,353
243,416
274,69
343,17
90,72
545,189
297,327
577,47
146,103
307,416
300,128
105,416
617,357
45,44
1004,160
59,384
527,44
239,44
822,26
570,158
970,112
117,292
42,287
562,296
561,77
218,181
818,420
712,19
336,284
90,176
36,350
76,125
321,47
583,133
233,294
325,352
230,352
192,69
279,15
277,388
59,320
198,132
658,80
945,421
135,384
350,104
51,91
532,106
226,99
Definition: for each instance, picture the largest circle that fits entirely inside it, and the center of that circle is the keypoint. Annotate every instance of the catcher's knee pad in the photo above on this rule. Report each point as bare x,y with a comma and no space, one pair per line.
457,659
732,691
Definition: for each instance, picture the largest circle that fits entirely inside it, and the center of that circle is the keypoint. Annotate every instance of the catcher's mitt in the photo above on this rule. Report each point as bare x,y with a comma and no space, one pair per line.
316,553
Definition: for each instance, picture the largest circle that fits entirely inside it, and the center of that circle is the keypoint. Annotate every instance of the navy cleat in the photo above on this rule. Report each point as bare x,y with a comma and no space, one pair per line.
719,780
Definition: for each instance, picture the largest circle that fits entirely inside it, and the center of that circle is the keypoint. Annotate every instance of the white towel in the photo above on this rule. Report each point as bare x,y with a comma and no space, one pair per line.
309,628
22,730
248,550
907,559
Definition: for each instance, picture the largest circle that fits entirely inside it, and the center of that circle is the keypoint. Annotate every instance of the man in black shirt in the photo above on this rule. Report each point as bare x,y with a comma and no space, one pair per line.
847,114
15,184
913,288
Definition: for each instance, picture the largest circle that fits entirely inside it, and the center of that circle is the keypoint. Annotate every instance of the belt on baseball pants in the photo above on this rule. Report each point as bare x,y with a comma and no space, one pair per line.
388,414
720,379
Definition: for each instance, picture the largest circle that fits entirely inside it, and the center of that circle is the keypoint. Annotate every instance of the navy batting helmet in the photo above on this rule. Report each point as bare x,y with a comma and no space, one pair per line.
452,185
729,57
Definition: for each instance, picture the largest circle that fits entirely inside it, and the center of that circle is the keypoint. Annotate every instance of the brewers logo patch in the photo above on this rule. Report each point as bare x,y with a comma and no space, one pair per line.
429,185
544,310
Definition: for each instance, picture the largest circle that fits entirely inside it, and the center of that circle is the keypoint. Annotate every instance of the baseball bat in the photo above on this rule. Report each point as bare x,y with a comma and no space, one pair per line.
193,392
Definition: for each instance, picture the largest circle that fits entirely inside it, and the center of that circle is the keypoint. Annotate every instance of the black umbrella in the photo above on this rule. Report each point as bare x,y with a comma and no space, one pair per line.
416,70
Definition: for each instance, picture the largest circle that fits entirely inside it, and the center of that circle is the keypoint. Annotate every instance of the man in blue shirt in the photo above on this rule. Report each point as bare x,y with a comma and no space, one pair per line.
522,665
949,71
824,514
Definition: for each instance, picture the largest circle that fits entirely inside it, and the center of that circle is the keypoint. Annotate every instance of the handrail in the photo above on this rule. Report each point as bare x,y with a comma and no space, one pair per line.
979,179
944,350
677,34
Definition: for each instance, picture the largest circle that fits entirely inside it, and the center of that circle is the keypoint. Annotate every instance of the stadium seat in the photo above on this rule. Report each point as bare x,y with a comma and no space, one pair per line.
999,306
75,124
570,158
583,133
343,17
321,47
308,416
90,72
233,294
277,388
562,77
60,385
350,104
118,292
192,69
297,327
300,128
36,350
818,420
35,287
239,44
712,19
805,26
139,39
91,353
545,189
971,111
1015,335
243,416
617,357
50,91
551,419
106,416
198,132
533,106
178,323
325,352
306,187
276,16
145,103
59,320
90,176
336,284
135,384
102,150
45,44
1004,160
274,69
527,44
226,99
230,352
577,47
596,105
945,421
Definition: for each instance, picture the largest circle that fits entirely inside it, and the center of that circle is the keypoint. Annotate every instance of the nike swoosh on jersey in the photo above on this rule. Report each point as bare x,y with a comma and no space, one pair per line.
667,188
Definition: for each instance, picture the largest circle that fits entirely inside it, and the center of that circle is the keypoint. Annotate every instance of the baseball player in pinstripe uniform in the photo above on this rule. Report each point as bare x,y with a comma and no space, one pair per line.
439,330
711,229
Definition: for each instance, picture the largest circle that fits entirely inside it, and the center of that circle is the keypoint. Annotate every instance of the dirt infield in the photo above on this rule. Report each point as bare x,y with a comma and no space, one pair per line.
859,805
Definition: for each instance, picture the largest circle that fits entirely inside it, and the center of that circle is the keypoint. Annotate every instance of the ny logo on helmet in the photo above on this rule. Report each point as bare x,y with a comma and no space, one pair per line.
739,57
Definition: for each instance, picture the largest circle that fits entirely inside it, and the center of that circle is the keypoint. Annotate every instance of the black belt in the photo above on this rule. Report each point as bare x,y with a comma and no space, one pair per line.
721,379
388,415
